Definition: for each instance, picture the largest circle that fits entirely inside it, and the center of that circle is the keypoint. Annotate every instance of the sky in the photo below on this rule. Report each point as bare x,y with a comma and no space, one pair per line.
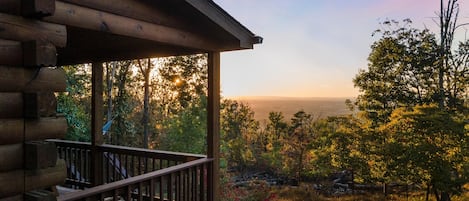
312,48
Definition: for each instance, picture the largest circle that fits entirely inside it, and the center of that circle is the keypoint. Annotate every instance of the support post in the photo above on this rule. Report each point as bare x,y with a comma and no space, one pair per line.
213,125
96,124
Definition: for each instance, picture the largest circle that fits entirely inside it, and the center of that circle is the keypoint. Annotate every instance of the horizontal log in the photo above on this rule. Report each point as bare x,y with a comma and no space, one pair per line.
21,29
39,53
14,79
39,195
11,105
37,8
46,128
12,198
41,104
28,105
11,53
140,10
31,8
19,130
11,157
10,6
47,104
11,131
87,18
39,155
11,183
20,181
46,177
31,53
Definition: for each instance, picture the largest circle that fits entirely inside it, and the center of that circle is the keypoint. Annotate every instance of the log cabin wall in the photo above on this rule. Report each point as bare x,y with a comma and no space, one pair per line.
37,35
28,80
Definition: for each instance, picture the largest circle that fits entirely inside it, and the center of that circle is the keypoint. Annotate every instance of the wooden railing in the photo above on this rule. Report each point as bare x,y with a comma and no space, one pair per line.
183,182
134,172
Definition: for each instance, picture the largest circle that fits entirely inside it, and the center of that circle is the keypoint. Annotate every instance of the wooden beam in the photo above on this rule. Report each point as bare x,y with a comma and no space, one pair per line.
11,105
31,53
37,8
11,131
97,112
13,79
227,22
11,53
13,198
10,6
18,130
78,16
97,107
11,157
46,128
21,29
20,181
40,104
39,53
213,125
29,8
39,155
139,10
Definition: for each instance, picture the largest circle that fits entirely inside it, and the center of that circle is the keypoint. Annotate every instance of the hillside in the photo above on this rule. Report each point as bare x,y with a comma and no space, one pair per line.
319,107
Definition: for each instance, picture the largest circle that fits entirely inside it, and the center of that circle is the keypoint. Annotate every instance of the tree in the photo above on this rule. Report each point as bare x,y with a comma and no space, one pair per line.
338,145
401,71
75,103
187,130
408,68
145,71
272,138
179,94
298,143
424,146
239,134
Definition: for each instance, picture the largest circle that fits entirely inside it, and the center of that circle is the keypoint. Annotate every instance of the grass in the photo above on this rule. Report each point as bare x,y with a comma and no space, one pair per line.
303,194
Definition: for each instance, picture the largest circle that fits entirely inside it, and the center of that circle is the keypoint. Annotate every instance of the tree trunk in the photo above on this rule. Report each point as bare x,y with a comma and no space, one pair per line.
445,196
427,194
146,97
110,72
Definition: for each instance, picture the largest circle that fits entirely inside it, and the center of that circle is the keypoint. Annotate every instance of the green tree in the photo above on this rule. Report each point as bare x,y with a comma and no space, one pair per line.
179,92
187,130
75,103
298,143
401,71
338,146
424,145
239,134
272,137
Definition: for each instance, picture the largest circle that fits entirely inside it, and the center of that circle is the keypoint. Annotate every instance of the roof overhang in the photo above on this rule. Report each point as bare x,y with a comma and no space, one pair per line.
130,29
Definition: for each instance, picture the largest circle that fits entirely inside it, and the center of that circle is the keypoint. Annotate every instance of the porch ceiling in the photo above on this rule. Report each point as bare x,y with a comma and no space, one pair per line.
130,29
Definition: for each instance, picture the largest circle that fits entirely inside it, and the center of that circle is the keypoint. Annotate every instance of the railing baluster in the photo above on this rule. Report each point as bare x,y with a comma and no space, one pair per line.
202,182
161,193
170,187
129,193
139,165
152,189
132,168
140,191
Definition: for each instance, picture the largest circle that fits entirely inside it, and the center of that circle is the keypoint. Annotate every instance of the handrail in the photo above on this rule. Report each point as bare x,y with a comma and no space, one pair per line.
133,180
118,162
137,151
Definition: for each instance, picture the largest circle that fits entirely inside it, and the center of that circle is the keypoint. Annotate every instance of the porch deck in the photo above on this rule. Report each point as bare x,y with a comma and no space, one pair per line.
133,173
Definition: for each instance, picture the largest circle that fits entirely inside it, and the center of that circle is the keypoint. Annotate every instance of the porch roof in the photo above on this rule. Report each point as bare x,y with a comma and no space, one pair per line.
130,29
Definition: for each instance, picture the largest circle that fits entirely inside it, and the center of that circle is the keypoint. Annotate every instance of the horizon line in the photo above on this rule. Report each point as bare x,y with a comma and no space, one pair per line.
288,97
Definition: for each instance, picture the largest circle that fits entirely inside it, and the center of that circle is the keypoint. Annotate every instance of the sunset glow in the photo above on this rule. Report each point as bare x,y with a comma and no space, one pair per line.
312,48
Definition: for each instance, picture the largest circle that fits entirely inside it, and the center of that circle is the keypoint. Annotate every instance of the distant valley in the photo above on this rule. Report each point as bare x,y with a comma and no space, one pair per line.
318,107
